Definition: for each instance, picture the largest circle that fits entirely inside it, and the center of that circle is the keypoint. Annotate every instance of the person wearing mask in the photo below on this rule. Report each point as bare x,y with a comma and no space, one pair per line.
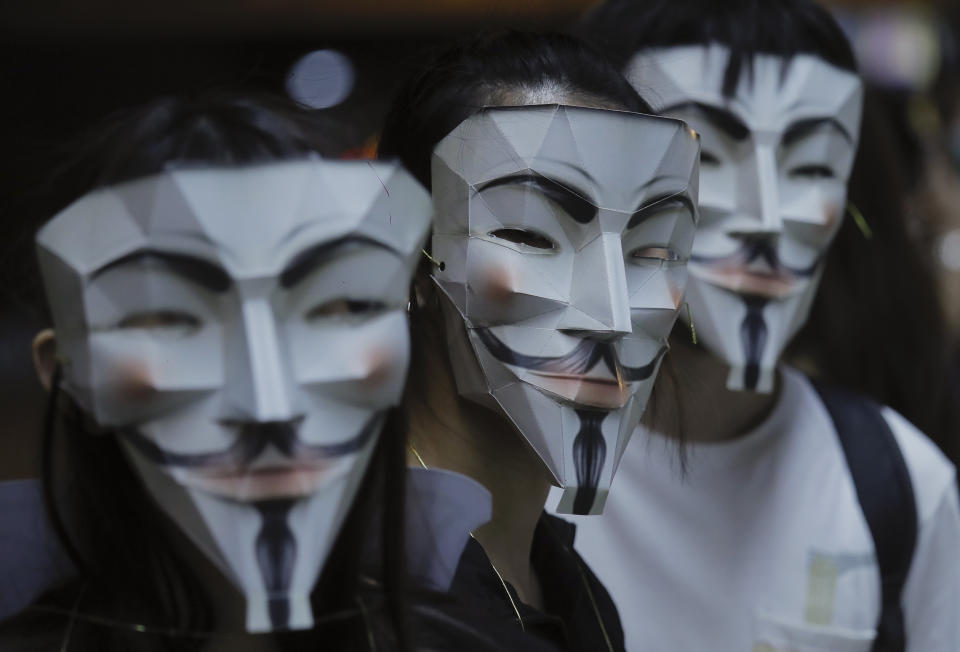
805,517
563,220
229,337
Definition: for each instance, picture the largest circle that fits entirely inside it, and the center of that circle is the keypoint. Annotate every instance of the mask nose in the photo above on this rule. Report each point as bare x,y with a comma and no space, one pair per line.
599,301
760,193
259,387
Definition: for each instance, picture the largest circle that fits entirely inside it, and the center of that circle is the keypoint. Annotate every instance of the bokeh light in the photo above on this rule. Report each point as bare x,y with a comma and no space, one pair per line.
898,48
321,79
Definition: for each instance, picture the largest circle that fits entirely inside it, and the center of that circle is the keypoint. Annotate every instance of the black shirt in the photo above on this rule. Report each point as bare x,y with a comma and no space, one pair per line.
578,616
435,624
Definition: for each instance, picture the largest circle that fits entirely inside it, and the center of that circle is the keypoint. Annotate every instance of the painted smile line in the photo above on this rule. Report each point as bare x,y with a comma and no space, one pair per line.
233,473
610,382
603,393
264,483
754,249
577,363
749,282
252,439
584,391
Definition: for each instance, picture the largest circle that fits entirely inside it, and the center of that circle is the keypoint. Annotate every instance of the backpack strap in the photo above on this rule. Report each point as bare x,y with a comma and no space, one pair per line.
886,497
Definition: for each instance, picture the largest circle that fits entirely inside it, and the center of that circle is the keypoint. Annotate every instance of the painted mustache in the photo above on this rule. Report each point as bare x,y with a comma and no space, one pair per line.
759,247
580,360
252,440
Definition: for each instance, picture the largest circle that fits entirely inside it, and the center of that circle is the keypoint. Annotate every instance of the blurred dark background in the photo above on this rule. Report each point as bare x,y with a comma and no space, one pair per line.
66,66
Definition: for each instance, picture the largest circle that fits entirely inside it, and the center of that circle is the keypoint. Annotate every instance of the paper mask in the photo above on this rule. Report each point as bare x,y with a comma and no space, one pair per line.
564,234
243,331
775,161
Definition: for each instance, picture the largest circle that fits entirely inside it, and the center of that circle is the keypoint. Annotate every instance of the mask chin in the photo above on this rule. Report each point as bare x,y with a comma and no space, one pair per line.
749,333
579,445
273,550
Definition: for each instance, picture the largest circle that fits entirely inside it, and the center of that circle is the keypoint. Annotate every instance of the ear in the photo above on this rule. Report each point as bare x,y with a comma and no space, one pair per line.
45,356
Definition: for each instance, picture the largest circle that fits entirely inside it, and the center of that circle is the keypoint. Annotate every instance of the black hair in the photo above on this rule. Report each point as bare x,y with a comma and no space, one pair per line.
107,522
490,70
222,128
877,324
495,70
784,28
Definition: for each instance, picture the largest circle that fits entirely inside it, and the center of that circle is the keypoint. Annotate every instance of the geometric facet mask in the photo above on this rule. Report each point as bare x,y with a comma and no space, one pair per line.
242,331
776,156
564,234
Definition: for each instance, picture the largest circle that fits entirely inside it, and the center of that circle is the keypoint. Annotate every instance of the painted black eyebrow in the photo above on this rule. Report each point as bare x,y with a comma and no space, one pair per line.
198,270
655,205
802,128
722,119
309,259
571,201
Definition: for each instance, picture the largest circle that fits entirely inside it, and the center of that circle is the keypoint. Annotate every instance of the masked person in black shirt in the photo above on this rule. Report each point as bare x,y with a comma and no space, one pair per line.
563,219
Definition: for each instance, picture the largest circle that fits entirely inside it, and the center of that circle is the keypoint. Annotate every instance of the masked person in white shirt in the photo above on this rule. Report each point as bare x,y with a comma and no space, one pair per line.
805,518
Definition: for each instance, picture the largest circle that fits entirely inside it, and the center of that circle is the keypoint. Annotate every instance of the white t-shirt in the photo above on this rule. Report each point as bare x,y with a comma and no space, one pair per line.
763,547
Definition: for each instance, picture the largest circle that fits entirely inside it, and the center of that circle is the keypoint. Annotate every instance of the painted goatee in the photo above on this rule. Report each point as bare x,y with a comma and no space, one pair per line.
589,454
753,334
276,555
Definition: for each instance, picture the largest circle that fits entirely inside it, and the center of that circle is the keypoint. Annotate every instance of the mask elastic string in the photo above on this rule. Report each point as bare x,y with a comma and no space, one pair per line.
436,263
693,330
73,618
860,220
503,582
371,642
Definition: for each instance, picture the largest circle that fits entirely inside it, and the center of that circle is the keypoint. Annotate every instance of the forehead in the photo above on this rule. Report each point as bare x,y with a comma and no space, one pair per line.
771,95
607,152
250,219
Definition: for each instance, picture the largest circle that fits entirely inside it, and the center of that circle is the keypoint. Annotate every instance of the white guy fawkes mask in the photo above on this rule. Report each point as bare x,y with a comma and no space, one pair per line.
774,166
243,332
564,234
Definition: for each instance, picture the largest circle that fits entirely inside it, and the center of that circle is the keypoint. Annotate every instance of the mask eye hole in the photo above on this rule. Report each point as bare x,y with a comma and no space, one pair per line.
160,320
655,253
525,237
343,307
812,172
707,158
